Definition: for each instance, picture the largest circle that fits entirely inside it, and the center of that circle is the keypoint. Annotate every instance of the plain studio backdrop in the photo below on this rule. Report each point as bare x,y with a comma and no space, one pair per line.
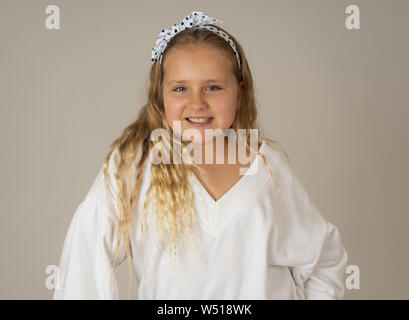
336,99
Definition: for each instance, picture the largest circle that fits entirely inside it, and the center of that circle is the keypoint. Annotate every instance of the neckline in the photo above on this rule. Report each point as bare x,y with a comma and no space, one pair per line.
236,185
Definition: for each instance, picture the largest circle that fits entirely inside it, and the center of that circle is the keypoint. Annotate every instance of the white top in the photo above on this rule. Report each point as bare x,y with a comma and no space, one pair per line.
248,248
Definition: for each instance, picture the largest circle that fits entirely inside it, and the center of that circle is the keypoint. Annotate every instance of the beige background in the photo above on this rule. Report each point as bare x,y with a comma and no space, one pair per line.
336,99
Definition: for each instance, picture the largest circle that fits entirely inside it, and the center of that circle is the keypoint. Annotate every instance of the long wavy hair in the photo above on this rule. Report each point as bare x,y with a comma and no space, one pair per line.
169,188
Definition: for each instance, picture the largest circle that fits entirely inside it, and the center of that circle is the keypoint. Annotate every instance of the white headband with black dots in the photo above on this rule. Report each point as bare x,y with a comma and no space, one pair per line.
196,20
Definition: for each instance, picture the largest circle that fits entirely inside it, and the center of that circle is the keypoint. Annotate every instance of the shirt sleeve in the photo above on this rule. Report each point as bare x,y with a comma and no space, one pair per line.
89,247
326,279
308,242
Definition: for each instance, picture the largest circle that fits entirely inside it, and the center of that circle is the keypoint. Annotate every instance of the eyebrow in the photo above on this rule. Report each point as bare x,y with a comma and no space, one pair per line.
184,81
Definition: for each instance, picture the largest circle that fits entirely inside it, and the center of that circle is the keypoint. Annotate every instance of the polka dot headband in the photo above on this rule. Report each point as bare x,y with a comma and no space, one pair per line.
196,20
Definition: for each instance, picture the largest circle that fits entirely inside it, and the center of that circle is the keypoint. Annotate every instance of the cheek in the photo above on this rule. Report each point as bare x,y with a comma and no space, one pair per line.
226,108
173,109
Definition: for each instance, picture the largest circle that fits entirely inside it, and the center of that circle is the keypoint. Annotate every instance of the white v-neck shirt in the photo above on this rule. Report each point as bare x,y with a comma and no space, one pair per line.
247,247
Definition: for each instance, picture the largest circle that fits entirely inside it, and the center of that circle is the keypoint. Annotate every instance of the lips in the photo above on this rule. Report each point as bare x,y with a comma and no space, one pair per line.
199,119
192,117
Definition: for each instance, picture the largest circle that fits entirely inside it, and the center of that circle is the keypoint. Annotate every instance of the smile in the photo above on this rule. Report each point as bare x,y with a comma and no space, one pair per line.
199,121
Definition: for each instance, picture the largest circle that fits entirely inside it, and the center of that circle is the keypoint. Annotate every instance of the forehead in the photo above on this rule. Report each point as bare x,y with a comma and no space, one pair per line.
197,62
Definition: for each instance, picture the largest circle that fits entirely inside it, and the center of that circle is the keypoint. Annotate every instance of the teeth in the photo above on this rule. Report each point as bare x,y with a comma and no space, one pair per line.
199,120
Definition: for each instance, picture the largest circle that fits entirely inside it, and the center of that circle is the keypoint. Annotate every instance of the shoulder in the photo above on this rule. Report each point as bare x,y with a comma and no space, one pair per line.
111,166
105,188
274,155
278,159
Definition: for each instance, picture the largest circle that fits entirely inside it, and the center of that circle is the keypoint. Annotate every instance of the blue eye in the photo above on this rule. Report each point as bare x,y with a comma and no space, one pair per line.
176,89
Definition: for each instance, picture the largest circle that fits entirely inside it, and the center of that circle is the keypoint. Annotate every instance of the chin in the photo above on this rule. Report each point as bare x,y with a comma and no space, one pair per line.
196,140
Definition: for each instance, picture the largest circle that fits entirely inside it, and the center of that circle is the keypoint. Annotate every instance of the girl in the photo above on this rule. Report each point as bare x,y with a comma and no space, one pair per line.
194,230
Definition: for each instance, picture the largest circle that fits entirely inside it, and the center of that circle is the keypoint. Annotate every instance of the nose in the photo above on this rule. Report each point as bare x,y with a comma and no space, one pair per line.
198,101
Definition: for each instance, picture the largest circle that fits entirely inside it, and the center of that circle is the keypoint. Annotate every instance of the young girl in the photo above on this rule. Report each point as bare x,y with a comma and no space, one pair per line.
194,229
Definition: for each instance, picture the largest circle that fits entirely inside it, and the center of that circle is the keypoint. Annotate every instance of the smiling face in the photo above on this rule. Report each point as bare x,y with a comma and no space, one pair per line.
199,83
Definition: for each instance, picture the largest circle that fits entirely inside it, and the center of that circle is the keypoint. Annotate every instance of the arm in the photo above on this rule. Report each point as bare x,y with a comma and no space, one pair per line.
319,259
325,281
89,248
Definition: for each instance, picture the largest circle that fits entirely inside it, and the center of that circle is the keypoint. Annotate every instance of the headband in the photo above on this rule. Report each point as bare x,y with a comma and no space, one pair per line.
196,20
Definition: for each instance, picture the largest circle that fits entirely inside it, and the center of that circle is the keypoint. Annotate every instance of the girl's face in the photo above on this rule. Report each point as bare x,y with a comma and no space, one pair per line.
199,83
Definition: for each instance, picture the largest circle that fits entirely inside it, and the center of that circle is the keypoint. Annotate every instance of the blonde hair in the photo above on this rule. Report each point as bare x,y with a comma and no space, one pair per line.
169,188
